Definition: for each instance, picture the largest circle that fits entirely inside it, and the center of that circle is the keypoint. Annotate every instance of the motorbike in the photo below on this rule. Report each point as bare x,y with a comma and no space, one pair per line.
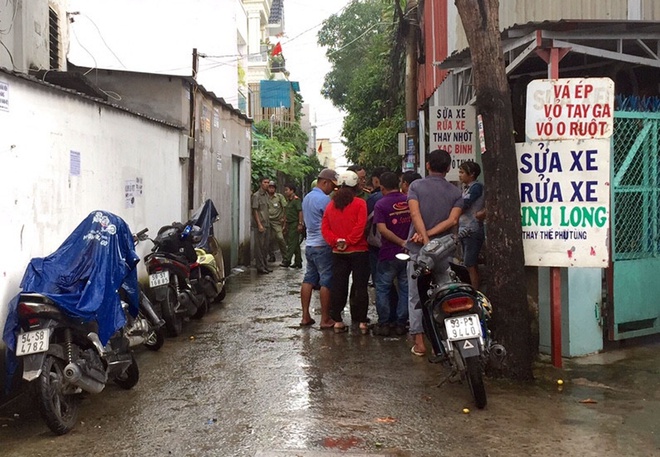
173,268
455,317
212,279
147,327
68,323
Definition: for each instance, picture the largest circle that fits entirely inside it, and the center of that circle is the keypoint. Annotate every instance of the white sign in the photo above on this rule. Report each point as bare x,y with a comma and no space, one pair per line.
453,128
564,191
4,96
569,108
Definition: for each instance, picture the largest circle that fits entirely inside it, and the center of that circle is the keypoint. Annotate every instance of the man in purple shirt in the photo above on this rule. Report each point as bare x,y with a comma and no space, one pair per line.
392,218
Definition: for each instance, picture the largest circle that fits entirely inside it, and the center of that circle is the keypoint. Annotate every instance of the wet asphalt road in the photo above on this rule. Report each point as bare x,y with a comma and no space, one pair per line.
247,381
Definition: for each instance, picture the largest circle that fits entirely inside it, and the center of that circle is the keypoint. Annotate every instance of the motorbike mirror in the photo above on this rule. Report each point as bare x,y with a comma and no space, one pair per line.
403,256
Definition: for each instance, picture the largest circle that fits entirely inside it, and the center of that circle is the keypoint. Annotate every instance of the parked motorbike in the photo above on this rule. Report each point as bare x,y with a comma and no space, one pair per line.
147,327
67,325
455,317
172,266
209,255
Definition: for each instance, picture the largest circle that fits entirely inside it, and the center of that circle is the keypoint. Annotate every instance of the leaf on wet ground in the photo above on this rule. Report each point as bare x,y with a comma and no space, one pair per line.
386,420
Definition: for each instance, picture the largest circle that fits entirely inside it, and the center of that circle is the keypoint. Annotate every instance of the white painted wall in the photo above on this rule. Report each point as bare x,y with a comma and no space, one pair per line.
42,202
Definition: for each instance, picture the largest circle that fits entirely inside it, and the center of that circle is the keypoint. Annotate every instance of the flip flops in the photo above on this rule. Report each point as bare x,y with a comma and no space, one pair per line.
340,328
416,352
308,323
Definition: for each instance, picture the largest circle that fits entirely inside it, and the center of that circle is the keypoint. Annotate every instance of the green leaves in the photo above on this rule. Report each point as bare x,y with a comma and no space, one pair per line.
283,154
360,45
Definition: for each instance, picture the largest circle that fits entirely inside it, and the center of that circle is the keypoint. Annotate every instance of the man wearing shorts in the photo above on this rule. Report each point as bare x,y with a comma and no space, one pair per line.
317,252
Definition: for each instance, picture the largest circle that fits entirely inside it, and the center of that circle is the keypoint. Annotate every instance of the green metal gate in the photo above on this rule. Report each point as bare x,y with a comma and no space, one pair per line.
635,216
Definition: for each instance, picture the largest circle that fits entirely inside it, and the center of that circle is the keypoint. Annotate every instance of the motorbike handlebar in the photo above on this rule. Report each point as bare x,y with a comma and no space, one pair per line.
416,272
141,235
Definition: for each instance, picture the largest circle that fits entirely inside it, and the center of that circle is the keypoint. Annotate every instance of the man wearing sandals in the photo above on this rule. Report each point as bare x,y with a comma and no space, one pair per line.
318,253
435,207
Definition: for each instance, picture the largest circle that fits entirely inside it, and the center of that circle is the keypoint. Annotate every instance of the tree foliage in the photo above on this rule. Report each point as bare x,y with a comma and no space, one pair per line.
365,80
284,155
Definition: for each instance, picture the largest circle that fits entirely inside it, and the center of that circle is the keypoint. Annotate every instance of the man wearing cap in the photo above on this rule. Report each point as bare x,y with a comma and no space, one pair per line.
318,253
260,226
276,219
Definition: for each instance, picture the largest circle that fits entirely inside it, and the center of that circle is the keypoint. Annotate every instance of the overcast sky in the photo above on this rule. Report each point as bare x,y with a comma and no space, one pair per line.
307,64
115,35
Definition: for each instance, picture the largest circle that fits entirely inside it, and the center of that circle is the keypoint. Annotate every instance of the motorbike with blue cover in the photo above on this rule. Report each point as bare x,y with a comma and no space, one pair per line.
211,280
455,317
173,268
68,323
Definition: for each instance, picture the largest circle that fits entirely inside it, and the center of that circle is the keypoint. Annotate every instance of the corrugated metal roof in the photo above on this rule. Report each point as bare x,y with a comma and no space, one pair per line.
45,84
276,12
462,58
189,79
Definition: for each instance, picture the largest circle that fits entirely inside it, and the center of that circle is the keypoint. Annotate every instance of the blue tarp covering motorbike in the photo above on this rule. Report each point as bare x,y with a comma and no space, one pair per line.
84,275
204,218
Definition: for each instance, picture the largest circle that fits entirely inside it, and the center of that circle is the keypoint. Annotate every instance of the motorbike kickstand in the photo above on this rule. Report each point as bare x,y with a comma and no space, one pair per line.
452,377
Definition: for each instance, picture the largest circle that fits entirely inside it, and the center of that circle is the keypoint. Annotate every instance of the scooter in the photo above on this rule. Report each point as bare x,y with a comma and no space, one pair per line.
67,325
173,268
455,317
212,279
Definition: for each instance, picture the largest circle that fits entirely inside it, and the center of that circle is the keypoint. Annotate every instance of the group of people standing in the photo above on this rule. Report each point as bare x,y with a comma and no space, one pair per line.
355,234
277,222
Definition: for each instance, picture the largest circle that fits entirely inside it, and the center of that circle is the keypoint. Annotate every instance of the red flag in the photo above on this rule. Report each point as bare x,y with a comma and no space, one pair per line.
277,49
320,147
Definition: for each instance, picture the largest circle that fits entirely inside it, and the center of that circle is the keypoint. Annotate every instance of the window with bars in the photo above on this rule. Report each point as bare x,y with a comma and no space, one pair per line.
54,39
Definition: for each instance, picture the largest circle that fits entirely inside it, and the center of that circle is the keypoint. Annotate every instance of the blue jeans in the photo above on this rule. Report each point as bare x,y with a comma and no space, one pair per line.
388,271
319,266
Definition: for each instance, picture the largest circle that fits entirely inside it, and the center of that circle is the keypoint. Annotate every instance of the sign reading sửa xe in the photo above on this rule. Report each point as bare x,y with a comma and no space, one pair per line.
564,172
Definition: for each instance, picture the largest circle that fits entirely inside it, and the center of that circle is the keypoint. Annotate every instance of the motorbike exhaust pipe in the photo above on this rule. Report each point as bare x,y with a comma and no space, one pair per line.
148,310
73,375
497,354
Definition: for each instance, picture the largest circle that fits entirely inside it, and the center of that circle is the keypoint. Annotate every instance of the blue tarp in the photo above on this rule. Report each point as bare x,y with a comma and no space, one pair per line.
275,94
84,274
204,218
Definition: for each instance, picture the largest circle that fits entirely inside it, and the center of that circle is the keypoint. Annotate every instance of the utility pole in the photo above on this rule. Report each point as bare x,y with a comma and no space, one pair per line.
191,133
412,143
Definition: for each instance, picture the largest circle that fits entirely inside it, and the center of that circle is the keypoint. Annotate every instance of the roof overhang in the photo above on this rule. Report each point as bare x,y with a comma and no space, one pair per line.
633,42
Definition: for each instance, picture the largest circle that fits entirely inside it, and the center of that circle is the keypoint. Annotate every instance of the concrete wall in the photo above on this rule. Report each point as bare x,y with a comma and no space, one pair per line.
222,137
221,133
43,196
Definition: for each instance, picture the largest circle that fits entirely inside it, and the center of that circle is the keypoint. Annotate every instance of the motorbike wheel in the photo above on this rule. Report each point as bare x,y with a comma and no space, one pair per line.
155,339
173,323
58,409
130,377
221,296
203,308
476,381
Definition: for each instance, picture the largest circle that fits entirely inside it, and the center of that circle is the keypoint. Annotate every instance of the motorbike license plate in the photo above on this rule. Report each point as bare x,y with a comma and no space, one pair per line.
32,342
159,279
463,327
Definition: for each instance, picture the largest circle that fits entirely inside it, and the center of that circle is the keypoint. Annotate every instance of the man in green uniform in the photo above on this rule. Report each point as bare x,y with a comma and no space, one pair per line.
293,227
260,226
276,205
